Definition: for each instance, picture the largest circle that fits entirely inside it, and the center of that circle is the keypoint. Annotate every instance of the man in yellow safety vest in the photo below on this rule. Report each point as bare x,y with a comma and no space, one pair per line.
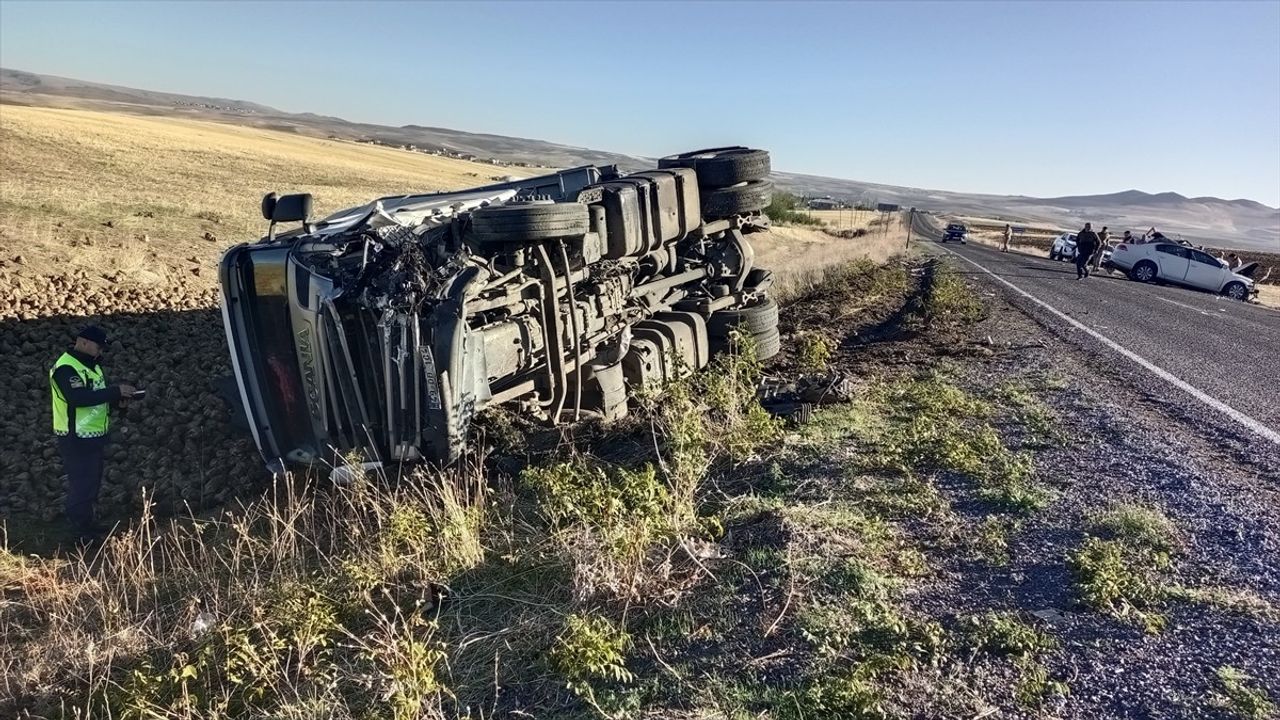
81,408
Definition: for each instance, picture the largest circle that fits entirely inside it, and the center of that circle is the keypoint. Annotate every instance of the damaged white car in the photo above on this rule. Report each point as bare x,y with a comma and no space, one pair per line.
384,329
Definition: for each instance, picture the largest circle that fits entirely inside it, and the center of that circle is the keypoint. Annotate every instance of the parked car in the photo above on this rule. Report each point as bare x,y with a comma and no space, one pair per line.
383,329
1064,248
957,232
1174,263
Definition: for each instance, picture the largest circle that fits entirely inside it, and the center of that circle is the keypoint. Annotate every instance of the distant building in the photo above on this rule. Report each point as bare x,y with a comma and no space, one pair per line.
825,203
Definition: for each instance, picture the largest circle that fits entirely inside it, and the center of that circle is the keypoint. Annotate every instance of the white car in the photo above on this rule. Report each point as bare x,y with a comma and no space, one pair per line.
1173,263
1064,248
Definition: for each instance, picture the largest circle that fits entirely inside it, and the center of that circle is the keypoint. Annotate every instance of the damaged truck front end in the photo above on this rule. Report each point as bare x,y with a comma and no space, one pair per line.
382,330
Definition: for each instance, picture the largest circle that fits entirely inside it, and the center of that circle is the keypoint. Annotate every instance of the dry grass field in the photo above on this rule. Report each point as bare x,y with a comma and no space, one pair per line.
799,255
845,219
120,193
135,199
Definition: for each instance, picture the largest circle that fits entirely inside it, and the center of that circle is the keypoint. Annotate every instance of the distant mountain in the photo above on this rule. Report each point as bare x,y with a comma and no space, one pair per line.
25,82
1244,224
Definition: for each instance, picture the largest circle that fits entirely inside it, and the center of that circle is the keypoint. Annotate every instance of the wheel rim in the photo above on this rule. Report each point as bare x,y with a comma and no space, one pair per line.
1144,273
1235,292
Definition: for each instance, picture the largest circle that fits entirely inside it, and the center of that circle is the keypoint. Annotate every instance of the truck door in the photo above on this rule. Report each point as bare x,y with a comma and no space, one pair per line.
1173,260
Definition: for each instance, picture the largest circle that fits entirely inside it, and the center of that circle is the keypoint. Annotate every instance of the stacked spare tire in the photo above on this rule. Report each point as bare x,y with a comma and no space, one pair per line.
735,180
382,330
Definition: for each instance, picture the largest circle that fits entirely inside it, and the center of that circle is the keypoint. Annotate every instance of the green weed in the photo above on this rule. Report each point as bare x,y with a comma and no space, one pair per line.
950,300
815,352
1004,633
991,539
591,650
1120,579
1237,693
843,694
1035,683
1136,525
1038,419
1236,600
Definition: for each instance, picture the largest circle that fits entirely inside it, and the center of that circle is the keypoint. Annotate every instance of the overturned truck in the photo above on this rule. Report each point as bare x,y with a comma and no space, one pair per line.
384,329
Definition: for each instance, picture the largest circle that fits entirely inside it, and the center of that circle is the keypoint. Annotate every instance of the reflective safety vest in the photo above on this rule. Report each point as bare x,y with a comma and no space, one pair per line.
90,421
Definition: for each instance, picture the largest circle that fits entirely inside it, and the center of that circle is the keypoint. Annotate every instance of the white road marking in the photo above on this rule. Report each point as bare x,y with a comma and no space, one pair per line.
1175,302
1215,404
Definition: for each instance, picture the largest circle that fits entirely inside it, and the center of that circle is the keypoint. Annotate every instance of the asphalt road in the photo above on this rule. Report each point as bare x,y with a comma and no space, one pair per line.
1227,350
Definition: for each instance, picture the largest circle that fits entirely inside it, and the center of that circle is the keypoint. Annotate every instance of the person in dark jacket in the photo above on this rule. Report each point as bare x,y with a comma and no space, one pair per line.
81,419
1086,245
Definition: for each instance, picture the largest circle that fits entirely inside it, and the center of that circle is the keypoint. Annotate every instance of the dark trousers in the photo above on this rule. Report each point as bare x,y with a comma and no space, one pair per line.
82,459
1082,263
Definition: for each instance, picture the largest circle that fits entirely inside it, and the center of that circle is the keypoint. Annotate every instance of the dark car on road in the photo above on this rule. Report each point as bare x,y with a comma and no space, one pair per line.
955,231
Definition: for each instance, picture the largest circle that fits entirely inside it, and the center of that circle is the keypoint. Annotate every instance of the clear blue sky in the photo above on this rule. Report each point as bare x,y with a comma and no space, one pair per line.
1007,97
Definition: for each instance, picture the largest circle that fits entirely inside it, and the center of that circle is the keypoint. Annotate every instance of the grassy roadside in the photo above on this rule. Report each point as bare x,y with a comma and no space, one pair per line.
704,561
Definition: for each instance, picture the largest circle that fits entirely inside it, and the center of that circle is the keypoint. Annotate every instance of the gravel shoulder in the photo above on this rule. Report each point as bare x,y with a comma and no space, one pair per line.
1127,442
972,585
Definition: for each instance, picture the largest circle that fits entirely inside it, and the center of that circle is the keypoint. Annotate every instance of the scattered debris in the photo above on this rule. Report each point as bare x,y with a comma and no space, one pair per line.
1050,615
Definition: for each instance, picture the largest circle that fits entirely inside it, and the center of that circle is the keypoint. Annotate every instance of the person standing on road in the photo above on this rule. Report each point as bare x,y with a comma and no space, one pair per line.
81,407
1102,245
1086,246
1008,235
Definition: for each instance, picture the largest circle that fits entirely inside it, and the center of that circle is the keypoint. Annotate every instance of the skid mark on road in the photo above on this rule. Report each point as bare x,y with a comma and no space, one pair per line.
1251,424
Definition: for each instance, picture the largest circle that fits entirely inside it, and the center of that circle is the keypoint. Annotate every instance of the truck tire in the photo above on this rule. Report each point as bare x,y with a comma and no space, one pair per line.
753,320
524,222
768,343
721,167
726,202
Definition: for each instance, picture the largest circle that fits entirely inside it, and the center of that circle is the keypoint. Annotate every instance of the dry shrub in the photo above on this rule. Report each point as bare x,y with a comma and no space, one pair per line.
304,596
378,598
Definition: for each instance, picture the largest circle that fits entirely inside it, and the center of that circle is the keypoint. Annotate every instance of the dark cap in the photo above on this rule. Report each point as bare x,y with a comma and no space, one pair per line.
95,334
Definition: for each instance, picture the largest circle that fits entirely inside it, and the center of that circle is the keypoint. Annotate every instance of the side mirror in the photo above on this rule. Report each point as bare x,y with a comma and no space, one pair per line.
269,205
290,208
287,208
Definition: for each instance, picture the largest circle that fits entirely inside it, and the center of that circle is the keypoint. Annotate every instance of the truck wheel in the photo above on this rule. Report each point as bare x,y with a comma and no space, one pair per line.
768,343
721,167
523,222
753,320
727,202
